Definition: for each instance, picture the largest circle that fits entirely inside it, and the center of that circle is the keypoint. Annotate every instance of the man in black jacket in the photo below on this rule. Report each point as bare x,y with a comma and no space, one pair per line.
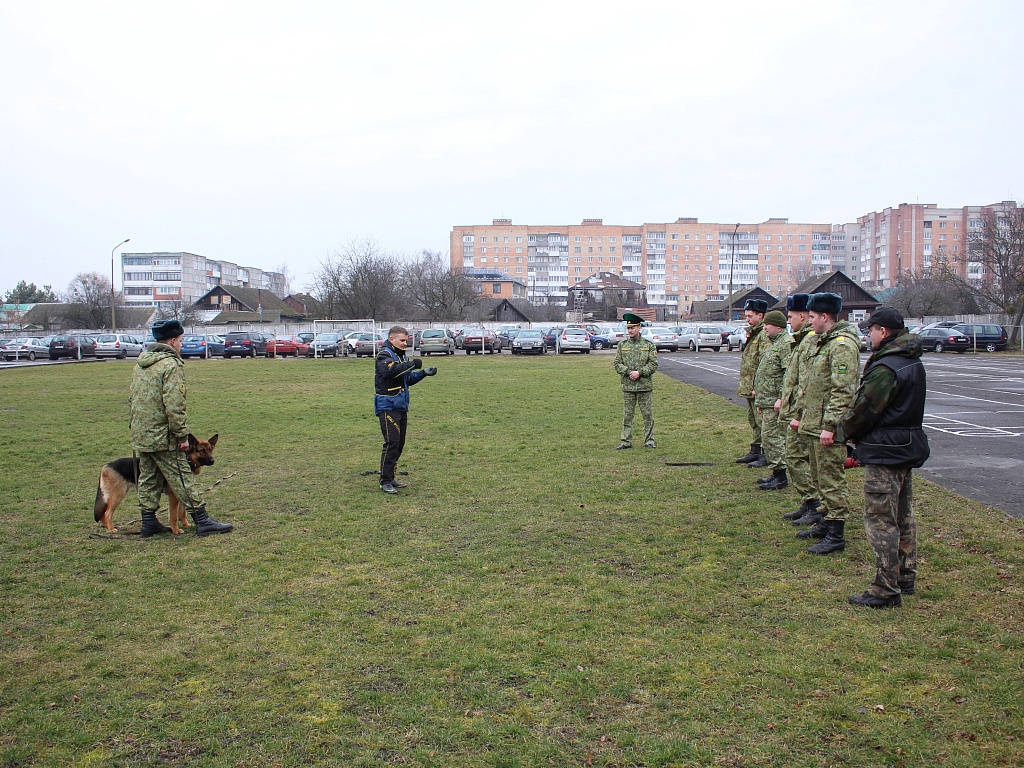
393,376
885,421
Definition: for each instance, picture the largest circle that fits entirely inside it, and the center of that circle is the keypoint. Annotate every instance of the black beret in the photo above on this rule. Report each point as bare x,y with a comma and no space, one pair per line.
887,317
167,329
756,305
797,302
828,303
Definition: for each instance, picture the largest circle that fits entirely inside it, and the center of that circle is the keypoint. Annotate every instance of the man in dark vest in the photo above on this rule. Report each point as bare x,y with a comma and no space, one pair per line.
885,422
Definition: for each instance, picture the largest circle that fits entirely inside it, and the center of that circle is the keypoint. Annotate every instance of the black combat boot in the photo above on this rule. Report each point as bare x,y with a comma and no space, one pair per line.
778,481
759,461
205,525
755,451
906,587
151,526
833,541
802,510
819,531
762,481
872,601
812,516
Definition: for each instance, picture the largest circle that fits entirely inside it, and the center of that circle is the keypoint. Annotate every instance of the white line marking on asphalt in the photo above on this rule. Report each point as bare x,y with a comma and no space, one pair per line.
976,399
966,428
710,368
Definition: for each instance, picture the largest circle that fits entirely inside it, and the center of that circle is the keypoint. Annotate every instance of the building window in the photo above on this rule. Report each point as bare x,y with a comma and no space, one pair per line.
496,287
577,248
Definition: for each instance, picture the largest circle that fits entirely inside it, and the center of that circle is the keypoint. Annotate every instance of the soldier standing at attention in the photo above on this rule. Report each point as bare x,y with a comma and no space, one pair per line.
798,447
159,429
636,360
757,343
885,422
767,391
833,361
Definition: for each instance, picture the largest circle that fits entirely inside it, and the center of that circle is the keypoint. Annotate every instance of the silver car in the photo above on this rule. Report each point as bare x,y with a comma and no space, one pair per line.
573,339
698,337
24,349
436,340
529,343
662,338
119,345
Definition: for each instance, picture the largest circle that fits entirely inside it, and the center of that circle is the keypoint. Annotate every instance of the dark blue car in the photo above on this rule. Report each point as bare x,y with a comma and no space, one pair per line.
202,345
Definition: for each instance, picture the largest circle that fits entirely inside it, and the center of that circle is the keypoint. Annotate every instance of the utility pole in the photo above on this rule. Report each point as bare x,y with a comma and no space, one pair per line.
113,319
732,263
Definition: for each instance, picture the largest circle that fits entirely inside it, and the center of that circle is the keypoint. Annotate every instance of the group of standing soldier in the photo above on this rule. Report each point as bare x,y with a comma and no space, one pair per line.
804,406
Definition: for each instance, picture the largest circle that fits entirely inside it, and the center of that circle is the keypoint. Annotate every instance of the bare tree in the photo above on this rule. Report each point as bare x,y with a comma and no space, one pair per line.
437,290
362,280
283,269
187,314
920,295
88,301
998,248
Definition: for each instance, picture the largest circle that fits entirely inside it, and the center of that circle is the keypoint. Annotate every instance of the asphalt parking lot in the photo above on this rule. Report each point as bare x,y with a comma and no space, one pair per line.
974,417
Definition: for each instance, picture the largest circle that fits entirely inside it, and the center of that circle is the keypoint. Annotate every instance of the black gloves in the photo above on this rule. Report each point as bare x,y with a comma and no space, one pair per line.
430,371
417,363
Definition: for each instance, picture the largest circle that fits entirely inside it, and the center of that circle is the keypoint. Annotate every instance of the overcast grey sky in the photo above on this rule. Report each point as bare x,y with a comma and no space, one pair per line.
270,133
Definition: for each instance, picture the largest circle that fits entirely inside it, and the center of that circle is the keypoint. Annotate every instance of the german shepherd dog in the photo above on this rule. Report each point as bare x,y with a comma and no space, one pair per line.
117,477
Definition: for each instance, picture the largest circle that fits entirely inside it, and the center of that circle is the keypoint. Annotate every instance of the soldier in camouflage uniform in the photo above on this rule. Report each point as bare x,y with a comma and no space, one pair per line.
798,447
636,360
767,391
757,343
159,430
886,423
833,362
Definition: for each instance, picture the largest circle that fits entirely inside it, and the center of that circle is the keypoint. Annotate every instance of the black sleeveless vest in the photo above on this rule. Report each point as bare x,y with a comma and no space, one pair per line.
898,439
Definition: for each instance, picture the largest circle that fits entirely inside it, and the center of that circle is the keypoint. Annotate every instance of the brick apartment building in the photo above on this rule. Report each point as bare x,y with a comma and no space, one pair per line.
917,237
677,262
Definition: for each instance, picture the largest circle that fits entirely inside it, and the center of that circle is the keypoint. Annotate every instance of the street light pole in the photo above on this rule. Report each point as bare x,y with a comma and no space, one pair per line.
113,319
732,263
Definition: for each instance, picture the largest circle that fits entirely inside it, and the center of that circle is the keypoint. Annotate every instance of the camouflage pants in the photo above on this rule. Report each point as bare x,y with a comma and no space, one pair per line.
773,438
798,464
629,402
754,420
828,476
172,467
890,526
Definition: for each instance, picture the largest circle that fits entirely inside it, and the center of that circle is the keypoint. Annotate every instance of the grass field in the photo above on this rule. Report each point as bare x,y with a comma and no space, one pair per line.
533,598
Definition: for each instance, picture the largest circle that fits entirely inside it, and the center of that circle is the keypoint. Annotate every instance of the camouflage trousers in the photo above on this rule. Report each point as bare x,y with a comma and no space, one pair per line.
890,526
773,438
828,476
171,467
754,420
630,400
798,464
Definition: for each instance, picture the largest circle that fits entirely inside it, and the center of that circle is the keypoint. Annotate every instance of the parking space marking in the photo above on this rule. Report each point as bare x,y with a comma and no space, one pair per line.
974,399
709,367
962,428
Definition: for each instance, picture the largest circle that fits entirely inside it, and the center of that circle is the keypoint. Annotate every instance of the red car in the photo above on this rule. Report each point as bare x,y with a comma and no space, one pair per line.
287,345
480,340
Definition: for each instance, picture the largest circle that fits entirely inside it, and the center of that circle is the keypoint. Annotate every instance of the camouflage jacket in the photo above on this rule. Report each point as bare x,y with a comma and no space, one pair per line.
771,370
795,372
157,400
833,366
757,343
637,354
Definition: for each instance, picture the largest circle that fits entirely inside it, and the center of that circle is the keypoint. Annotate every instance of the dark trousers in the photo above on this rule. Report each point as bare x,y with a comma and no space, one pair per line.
392,427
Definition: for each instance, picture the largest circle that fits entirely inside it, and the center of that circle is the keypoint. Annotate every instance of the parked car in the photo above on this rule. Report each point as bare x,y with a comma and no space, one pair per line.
943,340
507,336
324,344
202,345
662,338
865,340
119,345
72,345
368,344
306,336
436,341
301,344
551,337
25,348
480,340
987,336
282,347
573,339
698,337
600,340
738,338
529,343
244,344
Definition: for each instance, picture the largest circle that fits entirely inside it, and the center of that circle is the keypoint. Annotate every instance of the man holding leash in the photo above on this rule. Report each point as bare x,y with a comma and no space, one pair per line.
636,360
159,430
394,374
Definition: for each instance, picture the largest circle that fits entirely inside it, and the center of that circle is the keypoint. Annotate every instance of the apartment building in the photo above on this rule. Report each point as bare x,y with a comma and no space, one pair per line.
846,249
678,262
165,279
915,238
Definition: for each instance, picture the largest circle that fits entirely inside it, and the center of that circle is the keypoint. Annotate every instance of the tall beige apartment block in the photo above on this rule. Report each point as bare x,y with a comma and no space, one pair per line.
918,238
678,262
